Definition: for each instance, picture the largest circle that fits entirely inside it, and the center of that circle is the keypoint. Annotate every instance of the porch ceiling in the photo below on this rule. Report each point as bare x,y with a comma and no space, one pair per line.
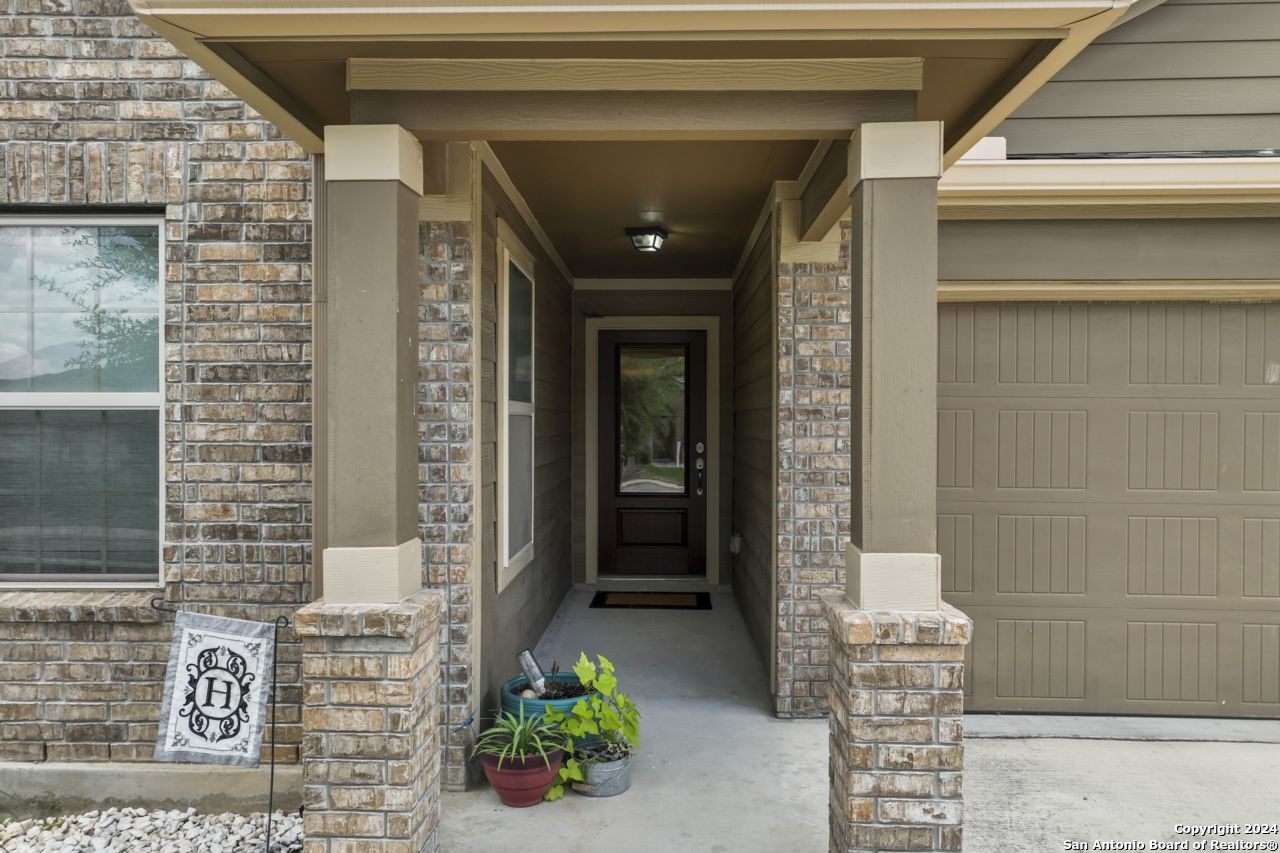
706,194
956,73
289,58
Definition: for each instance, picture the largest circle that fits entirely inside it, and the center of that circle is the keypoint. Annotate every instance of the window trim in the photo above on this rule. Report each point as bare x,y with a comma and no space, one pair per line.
511,251
147,401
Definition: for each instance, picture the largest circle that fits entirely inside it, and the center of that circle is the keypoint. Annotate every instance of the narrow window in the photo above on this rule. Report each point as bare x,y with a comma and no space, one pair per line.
516,405
80,401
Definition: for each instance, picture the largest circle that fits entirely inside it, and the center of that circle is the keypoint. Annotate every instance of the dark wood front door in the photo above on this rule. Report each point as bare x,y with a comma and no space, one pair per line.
654,453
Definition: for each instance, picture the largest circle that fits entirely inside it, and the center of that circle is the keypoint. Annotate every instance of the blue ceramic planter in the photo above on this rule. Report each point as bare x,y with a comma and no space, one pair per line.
511,700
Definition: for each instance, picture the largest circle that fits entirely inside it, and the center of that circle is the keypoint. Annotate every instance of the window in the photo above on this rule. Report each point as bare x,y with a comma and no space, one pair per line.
515,405
80,401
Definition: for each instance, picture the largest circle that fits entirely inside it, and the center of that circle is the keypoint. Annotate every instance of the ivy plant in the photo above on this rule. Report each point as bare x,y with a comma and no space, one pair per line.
604,725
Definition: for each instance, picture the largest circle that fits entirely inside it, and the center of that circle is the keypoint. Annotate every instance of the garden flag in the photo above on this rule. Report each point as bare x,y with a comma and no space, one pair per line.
215,690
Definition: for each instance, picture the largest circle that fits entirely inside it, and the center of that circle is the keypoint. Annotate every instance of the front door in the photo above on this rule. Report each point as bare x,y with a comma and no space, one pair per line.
653,453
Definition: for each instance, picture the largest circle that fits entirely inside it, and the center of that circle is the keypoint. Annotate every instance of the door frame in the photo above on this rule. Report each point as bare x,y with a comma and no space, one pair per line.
710,325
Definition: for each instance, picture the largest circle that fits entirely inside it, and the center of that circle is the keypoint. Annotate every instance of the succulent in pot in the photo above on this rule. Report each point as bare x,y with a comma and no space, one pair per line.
521,756
603,732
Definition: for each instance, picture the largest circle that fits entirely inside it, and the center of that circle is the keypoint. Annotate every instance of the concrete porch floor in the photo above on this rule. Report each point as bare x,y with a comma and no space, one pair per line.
718,773
716,770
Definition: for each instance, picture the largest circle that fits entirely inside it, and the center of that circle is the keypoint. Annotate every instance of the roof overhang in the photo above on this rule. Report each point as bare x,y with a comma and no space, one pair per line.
239,19
220,35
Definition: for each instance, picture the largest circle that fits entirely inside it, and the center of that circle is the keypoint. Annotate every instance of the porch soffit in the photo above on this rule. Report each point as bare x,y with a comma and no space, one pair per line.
287,58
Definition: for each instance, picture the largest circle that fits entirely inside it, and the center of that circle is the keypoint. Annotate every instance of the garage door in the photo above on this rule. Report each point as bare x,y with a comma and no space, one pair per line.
1109,504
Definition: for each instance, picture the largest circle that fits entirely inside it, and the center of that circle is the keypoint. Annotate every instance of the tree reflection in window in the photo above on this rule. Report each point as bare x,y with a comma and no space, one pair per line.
80,309
651,419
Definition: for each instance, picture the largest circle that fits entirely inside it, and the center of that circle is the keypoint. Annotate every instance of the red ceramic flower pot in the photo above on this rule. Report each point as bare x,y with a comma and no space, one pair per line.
522,782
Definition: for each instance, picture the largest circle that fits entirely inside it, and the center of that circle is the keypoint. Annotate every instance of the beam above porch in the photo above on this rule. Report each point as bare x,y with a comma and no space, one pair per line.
605,116
899,73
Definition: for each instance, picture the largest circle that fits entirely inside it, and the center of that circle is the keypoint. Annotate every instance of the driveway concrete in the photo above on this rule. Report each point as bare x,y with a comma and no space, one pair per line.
1033,795
718,773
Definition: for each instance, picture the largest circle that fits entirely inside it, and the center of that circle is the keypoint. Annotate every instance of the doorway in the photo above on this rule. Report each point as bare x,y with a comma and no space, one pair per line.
652,409
652,423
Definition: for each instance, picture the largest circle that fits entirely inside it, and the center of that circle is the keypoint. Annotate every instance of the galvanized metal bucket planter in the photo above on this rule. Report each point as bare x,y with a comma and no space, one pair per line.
605,778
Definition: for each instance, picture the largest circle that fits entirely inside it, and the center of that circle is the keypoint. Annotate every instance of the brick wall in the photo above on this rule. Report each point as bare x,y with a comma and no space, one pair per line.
97,113
447,514
814,497
78,689
371,753
897,727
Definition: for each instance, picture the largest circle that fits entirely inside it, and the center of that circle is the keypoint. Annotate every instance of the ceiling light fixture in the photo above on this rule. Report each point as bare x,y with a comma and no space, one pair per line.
647,239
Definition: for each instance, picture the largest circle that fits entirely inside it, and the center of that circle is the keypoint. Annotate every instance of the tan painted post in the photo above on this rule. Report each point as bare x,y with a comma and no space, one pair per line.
896,650
893,172
373,177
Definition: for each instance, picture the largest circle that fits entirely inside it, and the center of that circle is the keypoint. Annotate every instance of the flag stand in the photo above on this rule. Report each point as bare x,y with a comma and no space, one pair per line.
281,622
159,603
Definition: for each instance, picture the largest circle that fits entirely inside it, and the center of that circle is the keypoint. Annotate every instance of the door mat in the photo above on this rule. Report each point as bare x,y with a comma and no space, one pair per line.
653,600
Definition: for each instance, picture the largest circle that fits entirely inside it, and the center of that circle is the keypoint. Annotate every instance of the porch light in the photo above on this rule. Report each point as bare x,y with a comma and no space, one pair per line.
648,238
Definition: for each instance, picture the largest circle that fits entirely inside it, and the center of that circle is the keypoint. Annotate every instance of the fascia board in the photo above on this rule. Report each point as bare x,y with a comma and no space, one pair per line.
1154,180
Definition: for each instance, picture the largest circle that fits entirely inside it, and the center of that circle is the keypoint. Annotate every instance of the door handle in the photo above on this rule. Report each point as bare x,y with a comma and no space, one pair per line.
700,465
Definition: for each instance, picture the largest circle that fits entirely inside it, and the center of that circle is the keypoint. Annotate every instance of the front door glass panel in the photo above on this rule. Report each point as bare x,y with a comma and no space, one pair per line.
652,417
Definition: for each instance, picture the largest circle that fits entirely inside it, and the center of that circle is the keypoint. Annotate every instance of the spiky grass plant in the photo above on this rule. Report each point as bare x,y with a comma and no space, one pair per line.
520,737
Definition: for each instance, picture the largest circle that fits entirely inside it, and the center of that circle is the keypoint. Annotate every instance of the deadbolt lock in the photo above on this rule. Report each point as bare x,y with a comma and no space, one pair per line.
700,447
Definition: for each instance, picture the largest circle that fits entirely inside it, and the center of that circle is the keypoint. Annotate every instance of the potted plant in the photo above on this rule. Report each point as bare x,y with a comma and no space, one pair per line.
521,756
563,691
602,732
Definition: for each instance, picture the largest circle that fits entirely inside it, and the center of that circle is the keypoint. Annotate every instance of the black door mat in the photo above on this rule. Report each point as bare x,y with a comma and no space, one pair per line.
653,600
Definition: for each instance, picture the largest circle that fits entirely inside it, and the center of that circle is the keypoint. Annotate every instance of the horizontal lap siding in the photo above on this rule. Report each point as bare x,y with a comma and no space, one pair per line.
515,618
1191,75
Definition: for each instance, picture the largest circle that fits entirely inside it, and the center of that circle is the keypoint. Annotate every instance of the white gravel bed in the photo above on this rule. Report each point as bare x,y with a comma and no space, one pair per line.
141,831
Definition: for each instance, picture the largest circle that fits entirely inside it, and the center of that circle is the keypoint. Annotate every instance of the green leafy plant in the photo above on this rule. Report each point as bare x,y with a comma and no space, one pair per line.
604,725
513,737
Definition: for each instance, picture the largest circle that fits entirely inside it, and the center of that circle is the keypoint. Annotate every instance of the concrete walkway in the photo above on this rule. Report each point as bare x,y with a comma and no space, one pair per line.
716,770
717,773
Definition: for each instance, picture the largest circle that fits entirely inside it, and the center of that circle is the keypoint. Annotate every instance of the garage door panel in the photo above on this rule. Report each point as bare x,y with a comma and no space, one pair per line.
1116,450
1040,554
1175,344
1144,661
1109,505
1172,555
1171,661
1261,451
1262,346
1259,557
1040,658
955,544
1260,664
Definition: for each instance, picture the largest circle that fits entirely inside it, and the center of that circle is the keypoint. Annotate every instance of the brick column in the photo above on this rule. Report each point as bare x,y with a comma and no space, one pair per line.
897,727
371,746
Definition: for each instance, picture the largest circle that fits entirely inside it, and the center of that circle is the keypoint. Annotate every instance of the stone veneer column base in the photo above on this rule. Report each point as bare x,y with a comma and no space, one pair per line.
897,727
371,746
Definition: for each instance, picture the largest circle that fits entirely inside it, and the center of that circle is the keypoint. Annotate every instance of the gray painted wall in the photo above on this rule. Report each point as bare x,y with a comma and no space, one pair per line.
1115,249
754,320
633,303
516,618
1189,75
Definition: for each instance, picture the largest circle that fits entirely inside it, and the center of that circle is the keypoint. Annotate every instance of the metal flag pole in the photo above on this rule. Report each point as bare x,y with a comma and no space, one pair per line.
281,622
